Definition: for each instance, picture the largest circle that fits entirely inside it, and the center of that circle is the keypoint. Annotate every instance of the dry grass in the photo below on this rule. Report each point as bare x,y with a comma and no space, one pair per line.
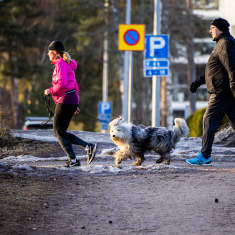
10,145
5,137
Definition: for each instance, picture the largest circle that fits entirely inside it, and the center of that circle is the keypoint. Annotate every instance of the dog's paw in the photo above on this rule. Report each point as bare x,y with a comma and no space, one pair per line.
117,162
119,166
166,162
160,160
137,163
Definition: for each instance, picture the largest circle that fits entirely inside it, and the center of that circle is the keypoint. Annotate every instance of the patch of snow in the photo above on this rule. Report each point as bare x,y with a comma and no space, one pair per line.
2,164
30,158
35,137
110,151
23,167
111,169
48,136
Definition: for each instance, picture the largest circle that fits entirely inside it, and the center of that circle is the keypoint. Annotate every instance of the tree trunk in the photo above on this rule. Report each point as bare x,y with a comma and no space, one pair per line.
142,85
191,73
166,82
120,56
164,101
191,67
14,92
14,102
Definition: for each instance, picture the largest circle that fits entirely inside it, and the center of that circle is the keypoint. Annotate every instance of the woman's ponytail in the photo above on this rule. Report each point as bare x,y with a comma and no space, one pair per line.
66,57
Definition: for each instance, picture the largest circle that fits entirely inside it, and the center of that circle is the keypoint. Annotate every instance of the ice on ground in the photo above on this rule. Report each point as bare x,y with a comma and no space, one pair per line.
23,167
35,137
27,162
48,136
30,158
111,169
109,151
223,157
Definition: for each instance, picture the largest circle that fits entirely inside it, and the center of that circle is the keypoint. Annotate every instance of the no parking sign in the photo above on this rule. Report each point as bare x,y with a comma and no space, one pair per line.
131,37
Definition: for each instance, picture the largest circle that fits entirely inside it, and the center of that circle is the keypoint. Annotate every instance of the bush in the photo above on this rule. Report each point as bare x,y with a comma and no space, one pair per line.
194,122
5,137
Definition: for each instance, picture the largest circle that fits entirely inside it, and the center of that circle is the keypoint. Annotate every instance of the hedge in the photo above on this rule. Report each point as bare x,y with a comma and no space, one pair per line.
194,122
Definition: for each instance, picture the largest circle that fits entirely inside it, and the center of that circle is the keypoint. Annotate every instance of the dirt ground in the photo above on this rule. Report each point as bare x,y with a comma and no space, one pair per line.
165,202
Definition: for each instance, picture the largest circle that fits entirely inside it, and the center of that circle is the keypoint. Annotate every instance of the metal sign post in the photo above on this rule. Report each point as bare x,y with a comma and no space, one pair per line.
126,68
130,86
105,58
131,38
156,82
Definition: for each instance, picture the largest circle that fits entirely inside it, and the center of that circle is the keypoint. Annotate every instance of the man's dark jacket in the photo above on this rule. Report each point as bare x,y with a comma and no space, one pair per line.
220,69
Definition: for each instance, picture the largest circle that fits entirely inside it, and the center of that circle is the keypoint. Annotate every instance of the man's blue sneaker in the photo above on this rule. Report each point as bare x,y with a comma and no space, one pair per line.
199,160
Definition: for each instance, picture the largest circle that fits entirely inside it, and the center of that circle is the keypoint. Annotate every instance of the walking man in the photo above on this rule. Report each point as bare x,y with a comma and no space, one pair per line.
220,81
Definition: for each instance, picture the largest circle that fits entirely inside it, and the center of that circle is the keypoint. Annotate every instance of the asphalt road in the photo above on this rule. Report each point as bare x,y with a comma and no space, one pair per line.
152,199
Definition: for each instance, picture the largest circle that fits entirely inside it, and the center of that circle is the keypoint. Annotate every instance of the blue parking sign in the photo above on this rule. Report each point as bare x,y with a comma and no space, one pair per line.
156,46
156,61
104,112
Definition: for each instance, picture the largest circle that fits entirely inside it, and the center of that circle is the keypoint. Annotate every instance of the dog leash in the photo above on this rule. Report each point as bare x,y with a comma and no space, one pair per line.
47,101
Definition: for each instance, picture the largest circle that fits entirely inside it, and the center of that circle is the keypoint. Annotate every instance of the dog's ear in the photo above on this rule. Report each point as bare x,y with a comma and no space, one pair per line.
114,122
121,120
111,123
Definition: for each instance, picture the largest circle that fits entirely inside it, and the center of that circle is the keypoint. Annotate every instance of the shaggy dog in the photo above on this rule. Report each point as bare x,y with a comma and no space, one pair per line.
134,141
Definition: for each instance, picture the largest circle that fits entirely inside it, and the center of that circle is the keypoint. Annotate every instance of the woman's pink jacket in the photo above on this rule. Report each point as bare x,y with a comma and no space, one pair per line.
63,80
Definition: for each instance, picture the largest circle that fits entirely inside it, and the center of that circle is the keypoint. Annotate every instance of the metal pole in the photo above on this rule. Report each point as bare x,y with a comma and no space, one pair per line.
130,85
105,58
126,69
156,82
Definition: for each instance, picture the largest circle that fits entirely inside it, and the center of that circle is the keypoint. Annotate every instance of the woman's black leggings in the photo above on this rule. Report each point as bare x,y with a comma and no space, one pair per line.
62,118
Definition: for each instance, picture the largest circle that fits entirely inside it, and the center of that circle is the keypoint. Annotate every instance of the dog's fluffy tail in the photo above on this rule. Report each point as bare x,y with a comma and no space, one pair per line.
180,129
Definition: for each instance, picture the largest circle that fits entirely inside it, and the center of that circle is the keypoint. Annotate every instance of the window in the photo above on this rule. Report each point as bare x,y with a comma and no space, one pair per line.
203,48
205,4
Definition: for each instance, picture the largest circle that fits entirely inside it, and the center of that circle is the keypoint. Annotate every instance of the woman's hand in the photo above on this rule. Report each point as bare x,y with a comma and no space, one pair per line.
77,111
46,92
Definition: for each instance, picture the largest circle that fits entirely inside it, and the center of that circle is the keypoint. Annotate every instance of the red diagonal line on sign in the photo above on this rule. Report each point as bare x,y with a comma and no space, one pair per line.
135,41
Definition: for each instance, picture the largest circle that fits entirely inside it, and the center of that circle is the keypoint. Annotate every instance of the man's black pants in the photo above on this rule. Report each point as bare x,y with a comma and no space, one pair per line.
62,118
218,106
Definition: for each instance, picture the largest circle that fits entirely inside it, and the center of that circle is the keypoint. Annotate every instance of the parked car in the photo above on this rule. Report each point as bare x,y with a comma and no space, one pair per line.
32,123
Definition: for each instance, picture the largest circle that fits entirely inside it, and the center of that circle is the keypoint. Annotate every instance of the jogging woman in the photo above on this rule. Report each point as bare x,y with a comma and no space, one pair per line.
65,93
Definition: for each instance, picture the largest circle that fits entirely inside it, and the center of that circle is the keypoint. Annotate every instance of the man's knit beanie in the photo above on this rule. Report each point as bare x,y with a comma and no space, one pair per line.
221,24
56,46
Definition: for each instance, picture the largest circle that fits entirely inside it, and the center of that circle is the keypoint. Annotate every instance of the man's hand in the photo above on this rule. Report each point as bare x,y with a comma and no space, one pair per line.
193,87
46,92
197,83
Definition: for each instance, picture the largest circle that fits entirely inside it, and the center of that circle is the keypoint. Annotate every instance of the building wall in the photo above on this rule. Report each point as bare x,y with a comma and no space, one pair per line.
226,10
